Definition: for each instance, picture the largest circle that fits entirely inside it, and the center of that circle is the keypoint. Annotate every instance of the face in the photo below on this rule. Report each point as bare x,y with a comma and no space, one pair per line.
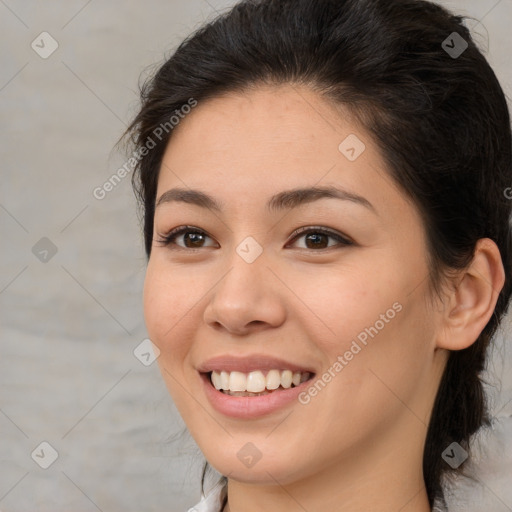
333,284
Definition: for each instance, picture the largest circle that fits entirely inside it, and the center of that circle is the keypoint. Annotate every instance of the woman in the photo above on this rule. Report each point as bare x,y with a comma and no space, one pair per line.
326,222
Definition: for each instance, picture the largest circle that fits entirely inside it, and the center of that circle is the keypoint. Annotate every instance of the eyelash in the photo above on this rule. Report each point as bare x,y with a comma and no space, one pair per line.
168,239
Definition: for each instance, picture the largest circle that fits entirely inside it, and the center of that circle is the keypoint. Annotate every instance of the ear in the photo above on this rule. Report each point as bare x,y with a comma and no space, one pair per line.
471,303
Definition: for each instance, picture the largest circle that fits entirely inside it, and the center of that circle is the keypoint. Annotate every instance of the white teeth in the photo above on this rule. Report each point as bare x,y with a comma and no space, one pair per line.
216,380
256,381
286,379
273,379
237,381
224,380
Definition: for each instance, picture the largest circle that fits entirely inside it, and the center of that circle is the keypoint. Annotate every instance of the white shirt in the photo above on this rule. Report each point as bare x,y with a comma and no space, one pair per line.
213,501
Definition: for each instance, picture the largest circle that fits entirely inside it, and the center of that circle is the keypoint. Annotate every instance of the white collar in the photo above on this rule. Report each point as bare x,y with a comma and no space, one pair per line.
213,501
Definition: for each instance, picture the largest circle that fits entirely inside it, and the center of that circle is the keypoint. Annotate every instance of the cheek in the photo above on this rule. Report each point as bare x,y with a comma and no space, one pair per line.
339,304
383,375
372,321
166,304
166,301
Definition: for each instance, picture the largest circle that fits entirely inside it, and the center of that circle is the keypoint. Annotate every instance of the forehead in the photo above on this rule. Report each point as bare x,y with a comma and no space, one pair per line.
266,116
248,145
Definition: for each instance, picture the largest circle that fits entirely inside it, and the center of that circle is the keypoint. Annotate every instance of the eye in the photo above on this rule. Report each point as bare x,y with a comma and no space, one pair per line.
317,238
192,237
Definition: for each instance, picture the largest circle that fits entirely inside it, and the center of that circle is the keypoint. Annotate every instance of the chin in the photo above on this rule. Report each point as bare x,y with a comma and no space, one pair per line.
258,470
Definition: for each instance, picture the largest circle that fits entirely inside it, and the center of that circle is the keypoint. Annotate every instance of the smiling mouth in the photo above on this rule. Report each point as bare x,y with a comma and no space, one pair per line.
256,383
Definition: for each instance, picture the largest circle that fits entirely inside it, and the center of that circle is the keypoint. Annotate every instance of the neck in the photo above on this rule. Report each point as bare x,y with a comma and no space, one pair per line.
388,477
408,497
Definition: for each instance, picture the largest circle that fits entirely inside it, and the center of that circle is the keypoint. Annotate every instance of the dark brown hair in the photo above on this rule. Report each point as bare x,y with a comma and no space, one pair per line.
440,120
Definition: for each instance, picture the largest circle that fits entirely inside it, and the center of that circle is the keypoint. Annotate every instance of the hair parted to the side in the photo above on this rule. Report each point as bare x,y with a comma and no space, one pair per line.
442,125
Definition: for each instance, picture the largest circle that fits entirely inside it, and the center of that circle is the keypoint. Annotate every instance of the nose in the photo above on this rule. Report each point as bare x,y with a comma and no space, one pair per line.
247,298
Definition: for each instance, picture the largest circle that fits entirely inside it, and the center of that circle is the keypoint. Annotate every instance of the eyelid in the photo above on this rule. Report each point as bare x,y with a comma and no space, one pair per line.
166,240
342,239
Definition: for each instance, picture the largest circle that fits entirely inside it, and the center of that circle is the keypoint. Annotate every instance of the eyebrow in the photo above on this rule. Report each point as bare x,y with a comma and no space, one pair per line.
287,199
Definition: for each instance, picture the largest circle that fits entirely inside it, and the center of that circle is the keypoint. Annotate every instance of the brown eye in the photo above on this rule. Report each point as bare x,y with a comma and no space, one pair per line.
318,238
193,238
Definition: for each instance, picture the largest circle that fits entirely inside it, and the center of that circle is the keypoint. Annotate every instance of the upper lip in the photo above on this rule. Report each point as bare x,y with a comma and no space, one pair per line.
251,363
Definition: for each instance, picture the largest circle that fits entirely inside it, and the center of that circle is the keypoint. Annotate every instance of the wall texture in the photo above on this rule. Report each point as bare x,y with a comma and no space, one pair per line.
72,267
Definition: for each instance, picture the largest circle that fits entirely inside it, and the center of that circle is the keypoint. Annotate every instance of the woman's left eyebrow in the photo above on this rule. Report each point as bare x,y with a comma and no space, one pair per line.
286,199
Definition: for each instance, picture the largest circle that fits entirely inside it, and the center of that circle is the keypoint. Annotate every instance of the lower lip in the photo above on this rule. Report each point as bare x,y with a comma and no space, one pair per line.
248,407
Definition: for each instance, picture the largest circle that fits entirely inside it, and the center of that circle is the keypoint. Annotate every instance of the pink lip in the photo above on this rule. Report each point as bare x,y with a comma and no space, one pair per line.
248,364
250,407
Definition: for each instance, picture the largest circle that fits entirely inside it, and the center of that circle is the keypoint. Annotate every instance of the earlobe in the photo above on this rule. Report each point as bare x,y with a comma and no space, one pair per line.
472,301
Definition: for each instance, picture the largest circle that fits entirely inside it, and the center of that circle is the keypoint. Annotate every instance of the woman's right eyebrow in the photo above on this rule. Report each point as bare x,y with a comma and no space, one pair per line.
286,199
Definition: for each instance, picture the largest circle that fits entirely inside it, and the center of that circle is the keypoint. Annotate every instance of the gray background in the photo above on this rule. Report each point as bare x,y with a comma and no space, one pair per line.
69,325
